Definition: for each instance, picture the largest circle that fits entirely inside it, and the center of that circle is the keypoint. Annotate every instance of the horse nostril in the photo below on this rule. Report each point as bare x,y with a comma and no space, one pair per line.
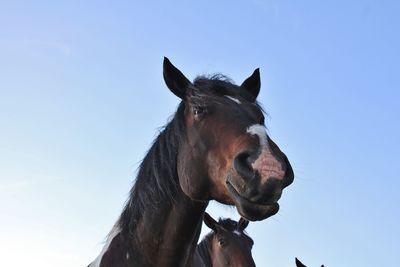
242,164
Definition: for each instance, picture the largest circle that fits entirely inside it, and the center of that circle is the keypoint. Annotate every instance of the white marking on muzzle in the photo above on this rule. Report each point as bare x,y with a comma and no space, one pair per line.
260,131
266,164
114,231
233,99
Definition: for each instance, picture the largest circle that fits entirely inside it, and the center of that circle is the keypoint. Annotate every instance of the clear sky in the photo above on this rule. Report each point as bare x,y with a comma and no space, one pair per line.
82,97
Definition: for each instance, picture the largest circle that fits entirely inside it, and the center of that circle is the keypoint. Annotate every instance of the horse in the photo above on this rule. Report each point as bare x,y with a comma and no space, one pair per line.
215,147
300,264
226,245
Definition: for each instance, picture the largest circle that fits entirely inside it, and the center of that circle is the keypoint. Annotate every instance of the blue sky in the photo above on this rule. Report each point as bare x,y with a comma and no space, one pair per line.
82,98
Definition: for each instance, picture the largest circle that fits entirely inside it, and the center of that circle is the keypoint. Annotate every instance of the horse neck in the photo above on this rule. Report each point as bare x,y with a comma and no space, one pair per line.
160,222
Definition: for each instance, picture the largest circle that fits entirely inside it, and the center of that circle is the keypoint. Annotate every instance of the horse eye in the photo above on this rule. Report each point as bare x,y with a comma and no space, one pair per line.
221,242
198,111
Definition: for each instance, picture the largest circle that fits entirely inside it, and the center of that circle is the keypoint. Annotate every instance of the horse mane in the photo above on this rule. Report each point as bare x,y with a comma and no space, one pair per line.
213,79
157,178
204,249
206,86
228,224
212,85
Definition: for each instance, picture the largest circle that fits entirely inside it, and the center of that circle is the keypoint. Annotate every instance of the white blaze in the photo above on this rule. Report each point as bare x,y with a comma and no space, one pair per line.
237,232
260,131
266,163
233,99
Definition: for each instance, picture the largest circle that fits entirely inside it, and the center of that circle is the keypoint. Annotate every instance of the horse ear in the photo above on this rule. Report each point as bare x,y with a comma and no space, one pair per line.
299,264
210,222
252,84
174,78
242,224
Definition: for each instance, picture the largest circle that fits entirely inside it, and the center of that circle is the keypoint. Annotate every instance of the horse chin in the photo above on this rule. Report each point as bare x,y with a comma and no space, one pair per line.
249,210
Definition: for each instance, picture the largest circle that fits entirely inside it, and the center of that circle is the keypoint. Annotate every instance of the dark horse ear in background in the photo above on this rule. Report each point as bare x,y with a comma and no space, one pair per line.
242,224
212,224
175,80
299,263
251,86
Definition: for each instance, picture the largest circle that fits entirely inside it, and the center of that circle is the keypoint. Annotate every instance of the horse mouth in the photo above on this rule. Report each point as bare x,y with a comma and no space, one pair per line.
250,210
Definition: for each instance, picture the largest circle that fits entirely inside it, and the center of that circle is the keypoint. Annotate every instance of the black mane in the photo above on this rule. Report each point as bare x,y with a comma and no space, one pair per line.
157,178
213,79
207,86
204,250
216,84
228,224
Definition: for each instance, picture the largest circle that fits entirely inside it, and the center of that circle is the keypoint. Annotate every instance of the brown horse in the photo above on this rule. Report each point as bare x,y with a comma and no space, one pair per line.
226,245
300,264
214,147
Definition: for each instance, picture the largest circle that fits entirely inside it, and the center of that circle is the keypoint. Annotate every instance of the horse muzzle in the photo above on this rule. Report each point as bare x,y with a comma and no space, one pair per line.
256,182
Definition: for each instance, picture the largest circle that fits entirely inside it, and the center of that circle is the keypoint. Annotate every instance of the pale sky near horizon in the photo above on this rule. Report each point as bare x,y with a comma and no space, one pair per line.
82,97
